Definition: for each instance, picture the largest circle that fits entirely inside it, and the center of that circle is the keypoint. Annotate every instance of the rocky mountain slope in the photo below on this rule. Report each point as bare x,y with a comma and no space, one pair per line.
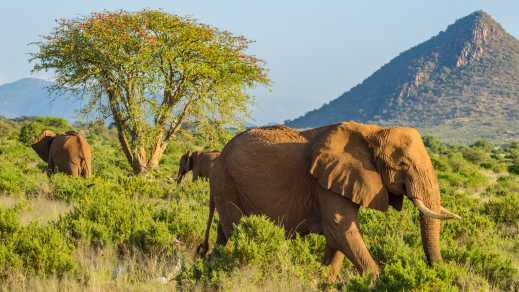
462,85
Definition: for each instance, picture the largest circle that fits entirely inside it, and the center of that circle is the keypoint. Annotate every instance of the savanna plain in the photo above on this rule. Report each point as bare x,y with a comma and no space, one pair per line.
116,231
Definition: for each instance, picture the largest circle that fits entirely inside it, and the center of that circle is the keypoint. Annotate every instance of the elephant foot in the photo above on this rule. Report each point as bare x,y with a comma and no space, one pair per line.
333,258
374,271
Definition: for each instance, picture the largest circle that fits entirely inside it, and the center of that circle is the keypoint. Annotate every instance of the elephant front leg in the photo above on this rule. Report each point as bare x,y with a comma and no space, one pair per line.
221,239
341,229
334,258
51,168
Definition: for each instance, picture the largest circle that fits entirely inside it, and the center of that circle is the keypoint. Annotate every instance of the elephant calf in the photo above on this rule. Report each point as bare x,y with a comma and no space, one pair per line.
201,164
198,162
68,153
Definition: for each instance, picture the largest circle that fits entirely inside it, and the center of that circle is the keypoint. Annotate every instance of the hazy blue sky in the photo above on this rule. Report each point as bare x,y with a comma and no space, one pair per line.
315,50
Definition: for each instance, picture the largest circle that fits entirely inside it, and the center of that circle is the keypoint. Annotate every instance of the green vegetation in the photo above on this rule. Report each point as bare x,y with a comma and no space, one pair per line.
154,74
140,232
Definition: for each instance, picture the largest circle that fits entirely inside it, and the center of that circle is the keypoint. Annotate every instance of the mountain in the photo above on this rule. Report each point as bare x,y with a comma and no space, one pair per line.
461,85
31,97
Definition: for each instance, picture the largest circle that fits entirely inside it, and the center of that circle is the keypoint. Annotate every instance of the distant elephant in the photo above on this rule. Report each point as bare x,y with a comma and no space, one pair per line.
68,153
316,181
201,164
198,162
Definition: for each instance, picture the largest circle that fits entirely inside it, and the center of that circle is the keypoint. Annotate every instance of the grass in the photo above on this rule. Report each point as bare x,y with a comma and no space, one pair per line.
40,209
120,232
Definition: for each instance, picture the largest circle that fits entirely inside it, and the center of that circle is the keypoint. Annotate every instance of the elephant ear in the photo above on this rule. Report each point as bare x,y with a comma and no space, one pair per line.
184,162
42,145
342,163
192,158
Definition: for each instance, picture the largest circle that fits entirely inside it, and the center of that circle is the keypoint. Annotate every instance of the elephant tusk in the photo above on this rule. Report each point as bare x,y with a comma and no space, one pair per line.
445,214
449,213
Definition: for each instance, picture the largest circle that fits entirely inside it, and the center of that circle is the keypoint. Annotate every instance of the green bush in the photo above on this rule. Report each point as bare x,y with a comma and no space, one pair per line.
104,217
38,250
14,179
42,250
151,217
504,185
152,239
514,168
259,246
256,240
417,276
484,145
8,129
504,209
34,126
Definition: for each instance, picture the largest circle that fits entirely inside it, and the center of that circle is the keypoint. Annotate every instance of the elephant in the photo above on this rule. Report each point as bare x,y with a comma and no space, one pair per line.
201,164
315,181
198,162
68,153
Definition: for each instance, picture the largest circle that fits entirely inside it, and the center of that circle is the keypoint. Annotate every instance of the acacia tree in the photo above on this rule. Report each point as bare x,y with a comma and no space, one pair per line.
152,73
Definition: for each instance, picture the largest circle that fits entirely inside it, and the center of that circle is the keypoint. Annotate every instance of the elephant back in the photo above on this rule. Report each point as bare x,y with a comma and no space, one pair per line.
269,167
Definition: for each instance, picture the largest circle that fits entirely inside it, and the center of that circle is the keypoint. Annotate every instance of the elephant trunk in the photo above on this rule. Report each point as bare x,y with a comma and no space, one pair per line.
179,178
424,191
430,230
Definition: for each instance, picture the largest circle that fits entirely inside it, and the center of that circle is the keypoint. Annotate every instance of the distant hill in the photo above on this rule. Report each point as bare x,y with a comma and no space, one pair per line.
30,97
461,85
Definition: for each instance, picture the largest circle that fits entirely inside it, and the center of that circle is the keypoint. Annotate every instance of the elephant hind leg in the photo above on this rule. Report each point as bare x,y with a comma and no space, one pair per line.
50,167
342,232
204,247
226,199
73,170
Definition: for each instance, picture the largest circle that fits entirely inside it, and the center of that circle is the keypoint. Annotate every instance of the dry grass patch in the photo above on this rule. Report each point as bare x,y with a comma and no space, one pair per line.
38,209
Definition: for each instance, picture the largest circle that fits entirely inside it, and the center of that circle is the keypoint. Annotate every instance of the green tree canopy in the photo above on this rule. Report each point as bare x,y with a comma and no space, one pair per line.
154,74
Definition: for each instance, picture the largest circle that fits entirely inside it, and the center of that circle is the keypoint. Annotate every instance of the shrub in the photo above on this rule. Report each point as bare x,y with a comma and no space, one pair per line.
72,189
257,240
476,156
514,168
484,145
105,217
503,210
489,263
415,275
39,250
153,218
152,239
14,179
42,250
7,129
259,247
33,128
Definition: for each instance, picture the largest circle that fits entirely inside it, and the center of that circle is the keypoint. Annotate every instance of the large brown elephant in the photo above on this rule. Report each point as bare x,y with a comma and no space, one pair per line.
68,153
316,181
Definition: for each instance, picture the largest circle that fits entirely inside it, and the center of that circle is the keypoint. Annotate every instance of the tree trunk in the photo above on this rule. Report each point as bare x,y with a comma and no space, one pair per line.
156,154
139,161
